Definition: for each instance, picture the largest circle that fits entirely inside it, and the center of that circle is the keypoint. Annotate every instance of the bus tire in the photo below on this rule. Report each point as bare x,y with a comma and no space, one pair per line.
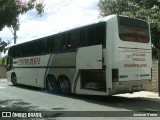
64,86
51,84
14,79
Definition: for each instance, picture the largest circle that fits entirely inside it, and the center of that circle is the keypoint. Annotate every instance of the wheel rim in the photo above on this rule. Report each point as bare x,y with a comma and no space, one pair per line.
51,84
14,80
65,86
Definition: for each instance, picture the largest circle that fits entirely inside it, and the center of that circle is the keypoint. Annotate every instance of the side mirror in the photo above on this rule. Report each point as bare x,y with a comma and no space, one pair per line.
8,67
9,63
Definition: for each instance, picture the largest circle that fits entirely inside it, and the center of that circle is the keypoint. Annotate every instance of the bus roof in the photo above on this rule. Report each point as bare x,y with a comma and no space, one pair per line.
99,20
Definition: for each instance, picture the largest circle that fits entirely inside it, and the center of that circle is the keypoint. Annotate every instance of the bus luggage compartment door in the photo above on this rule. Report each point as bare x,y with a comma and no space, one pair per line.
89,57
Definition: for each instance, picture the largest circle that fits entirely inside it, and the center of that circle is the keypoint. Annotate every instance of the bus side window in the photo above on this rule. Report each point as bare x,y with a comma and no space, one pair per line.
34,48
101,34
57,43
91,36
16,51
83,38
64,40
50,44
74,40
20,52
43,46
37,47
25,50
13,51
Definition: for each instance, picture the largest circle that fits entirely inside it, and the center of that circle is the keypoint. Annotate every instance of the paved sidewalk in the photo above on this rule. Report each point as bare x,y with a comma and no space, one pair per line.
141,94
3,80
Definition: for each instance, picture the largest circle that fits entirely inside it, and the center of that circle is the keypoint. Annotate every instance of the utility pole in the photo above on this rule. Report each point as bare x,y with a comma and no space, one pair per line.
14,31
15,34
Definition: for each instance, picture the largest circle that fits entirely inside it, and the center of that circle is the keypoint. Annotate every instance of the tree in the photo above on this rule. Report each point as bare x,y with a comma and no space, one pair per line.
11,9
143,9
3,44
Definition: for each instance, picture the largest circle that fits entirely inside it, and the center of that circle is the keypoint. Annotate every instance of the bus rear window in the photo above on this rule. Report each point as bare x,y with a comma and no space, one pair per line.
133,30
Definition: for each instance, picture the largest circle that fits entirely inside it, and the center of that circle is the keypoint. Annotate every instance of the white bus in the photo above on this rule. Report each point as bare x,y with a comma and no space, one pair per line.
106,57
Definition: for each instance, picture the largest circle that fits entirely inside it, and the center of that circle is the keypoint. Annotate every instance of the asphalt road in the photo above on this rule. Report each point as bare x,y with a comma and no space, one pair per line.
24,99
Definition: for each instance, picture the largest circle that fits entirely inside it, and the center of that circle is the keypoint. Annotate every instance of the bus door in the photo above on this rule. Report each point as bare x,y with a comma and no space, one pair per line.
9,66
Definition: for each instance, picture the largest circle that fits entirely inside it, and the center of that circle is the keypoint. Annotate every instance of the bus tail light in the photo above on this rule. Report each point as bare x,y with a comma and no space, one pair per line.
115,75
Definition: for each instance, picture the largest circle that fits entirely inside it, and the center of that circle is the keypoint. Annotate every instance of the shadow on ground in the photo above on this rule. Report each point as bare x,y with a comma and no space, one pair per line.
120,102
16,105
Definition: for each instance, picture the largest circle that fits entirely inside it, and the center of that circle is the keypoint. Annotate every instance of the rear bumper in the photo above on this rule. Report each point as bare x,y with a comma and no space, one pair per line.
130,87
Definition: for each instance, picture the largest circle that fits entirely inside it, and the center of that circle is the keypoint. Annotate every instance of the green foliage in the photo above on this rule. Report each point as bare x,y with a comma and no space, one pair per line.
3,44
143,9
10,9
0,61
131,9
3,61
108,7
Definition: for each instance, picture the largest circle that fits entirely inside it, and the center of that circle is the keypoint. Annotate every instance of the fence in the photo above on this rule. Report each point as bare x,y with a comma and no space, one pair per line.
155,76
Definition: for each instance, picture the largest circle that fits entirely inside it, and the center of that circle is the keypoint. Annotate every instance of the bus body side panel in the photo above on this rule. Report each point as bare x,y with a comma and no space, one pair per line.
63,64
110,52
9,75
31,70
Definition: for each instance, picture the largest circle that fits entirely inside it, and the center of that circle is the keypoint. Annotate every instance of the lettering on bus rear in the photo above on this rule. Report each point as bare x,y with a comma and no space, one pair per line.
134,59
135,65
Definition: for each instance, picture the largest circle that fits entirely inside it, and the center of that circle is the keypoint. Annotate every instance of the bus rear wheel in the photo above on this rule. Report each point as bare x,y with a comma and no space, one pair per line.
65,86
14,79
51,84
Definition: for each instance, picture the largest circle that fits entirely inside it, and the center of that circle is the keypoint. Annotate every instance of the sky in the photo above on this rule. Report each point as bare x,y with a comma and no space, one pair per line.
58,15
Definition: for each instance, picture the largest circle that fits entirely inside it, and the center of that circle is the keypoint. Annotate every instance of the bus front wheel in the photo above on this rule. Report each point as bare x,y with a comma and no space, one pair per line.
65,85
14,79
51,84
